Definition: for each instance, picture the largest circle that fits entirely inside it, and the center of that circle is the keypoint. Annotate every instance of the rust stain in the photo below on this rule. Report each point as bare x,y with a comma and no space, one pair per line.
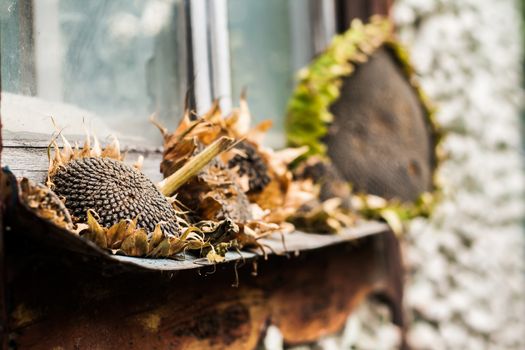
150,322
226,324
23,315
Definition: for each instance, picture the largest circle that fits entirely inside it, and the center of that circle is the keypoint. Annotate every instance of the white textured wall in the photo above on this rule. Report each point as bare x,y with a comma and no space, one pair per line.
466,283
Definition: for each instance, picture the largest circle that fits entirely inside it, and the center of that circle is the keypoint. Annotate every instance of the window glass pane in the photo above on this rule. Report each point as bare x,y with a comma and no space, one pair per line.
120,59
16,47
269,41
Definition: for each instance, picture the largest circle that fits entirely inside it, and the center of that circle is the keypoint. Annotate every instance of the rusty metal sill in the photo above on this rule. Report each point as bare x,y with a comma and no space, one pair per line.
294,243
41,233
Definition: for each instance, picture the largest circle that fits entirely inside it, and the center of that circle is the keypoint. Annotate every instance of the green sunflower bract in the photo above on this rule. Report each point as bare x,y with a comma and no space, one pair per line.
319,84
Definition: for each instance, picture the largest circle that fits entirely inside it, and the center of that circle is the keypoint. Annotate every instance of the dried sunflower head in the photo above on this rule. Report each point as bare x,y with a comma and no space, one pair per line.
115,191
97,179
248,162
215,193
117,206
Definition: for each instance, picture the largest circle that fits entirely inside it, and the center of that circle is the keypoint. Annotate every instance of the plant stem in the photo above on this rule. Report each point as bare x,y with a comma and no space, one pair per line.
169,185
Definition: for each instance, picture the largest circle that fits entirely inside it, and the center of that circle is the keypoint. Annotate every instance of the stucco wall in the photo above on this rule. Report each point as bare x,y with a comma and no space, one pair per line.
466,287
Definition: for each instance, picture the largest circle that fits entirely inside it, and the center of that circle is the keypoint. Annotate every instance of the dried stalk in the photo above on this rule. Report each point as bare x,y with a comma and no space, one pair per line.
169,185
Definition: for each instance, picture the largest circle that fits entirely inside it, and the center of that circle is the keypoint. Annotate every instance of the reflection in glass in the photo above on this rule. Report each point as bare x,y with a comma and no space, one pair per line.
119,59
264,39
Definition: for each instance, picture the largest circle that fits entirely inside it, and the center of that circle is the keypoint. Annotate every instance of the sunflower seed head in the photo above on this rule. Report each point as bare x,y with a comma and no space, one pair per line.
114,191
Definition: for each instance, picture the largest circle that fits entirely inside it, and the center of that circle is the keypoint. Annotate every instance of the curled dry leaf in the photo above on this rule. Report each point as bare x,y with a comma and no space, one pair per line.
45,203
61,157
322,217
252,184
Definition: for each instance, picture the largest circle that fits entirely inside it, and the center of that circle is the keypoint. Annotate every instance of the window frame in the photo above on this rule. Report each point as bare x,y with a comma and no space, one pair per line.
208,76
